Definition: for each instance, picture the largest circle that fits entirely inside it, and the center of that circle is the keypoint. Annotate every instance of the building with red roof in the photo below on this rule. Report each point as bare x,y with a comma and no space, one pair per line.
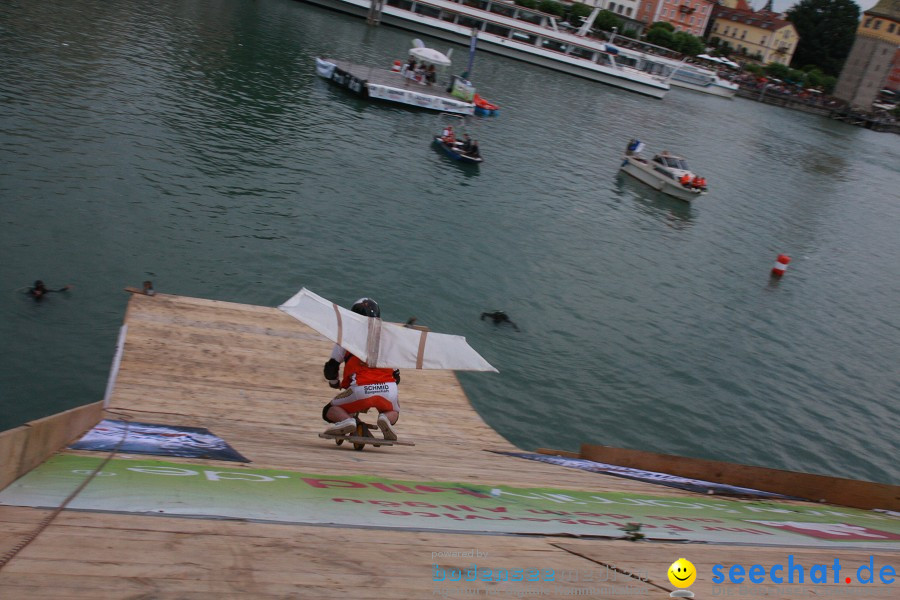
691,16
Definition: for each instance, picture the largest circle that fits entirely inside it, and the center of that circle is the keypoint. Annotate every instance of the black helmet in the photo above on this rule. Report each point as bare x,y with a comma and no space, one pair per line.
366,307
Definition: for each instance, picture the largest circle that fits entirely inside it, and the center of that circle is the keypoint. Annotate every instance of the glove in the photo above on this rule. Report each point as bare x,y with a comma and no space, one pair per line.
397,376
335,383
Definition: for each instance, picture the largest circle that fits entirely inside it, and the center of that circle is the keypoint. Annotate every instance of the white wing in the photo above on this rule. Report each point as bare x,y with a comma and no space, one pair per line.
382,344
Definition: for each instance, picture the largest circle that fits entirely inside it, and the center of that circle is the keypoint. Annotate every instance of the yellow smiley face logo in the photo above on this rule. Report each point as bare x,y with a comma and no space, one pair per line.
682,573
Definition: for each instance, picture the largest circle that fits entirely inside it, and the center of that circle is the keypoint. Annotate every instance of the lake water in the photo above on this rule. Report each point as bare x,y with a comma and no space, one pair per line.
191,143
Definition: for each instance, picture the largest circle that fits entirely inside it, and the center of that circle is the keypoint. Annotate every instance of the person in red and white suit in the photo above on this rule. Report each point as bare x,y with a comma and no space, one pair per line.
363,387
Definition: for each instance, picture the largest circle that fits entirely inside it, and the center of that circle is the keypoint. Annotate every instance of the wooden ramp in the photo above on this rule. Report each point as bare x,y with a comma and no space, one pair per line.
253,376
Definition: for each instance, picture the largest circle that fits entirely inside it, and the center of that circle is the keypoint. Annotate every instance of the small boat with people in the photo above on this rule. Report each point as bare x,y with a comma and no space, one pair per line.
463,151
458,144
665,172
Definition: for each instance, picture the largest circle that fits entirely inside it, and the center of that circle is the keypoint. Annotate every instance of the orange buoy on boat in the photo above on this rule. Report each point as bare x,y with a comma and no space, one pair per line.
484,107
780,265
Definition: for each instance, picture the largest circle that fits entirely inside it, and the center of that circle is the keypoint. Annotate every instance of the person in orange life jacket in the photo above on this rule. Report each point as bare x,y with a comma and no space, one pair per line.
698,182
448,136
364,387
685,179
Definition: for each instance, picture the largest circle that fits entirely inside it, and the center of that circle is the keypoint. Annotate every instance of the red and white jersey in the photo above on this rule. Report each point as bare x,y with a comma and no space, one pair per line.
356,372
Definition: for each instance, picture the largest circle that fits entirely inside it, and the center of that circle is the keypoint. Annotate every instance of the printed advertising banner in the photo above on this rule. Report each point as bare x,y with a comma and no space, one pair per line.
158,487
151,438
683,483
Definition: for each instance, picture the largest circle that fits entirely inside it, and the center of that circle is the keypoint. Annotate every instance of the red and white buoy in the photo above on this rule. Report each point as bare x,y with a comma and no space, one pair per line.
780,265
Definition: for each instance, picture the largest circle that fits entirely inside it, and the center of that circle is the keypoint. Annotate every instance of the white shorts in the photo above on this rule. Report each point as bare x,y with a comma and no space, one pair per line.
359,398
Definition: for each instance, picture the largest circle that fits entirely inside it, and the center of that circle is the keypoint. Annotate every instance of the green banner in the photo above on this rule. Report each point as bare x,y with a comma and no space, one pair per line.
158,487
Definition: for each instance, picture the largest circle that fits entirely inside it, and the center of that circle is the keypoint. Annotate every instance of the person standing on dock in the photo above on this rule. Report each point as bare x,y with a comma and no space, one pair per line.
363,387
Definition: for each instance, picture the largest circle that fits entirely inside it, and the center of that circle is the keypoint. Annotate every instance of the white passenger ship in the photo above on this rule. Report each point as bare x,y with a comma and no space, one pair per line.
684,75
521,33
703,80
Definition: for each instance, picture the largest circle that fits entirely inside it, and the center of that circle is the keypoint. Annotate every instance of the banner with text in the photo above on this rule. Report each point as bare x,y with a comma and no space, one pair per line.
165,488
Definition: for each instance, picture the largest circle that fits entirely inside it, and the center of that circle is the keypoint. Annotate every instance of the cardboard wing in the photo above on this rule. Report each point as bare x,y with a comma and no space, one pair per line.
382,344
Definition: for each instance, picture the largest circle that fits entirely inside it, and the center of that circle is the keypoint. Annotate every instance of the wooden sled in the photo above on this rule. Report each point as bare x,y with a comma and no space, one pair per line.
363,435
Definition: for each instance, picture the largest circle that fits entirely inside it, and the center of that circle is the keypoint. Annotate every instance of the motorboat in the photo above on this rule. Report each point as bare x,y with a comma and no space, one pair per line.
665,172
458,152
464,150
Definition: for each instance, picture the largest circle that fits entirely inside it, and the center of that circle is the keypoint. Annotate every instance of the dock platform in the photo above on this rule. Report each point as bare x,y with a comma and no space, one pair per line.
383,84
253,376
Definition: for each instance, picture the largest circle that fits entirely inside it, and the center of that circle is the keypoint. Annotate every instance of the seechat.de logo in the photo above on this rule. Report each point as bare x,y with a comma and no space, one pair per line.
797,572
682,573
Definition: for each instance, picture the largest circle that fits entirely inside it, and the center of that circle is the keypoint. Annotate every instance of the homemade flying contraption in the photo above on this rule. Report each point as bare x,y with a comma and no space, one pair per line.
382,344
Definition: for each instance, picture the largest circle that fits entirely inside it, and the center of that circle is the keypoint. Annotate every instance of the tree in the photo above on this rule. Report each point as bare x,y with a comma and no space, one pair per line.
687,43
661,34
552,7
606,20
755,69
814,78
827,29
777,70
577,11
664,34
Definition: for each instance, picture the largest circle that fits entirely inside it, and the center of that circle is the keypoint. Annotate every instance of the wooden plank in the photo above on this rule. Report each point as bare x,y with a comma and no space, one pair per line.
822,488
564,453
47,435
358,439
16,523
12,445
164,557
654,562
24,448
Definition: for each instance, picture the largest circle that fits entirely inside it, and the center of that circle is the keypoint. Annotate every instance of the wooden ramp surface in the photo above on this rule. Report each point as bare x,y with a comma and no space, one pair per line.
253,376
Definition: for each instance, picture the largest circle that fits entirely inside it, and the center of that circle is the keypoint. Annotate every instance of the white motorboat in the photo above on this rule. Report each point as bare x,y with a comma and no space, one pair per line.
665,172
518,32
